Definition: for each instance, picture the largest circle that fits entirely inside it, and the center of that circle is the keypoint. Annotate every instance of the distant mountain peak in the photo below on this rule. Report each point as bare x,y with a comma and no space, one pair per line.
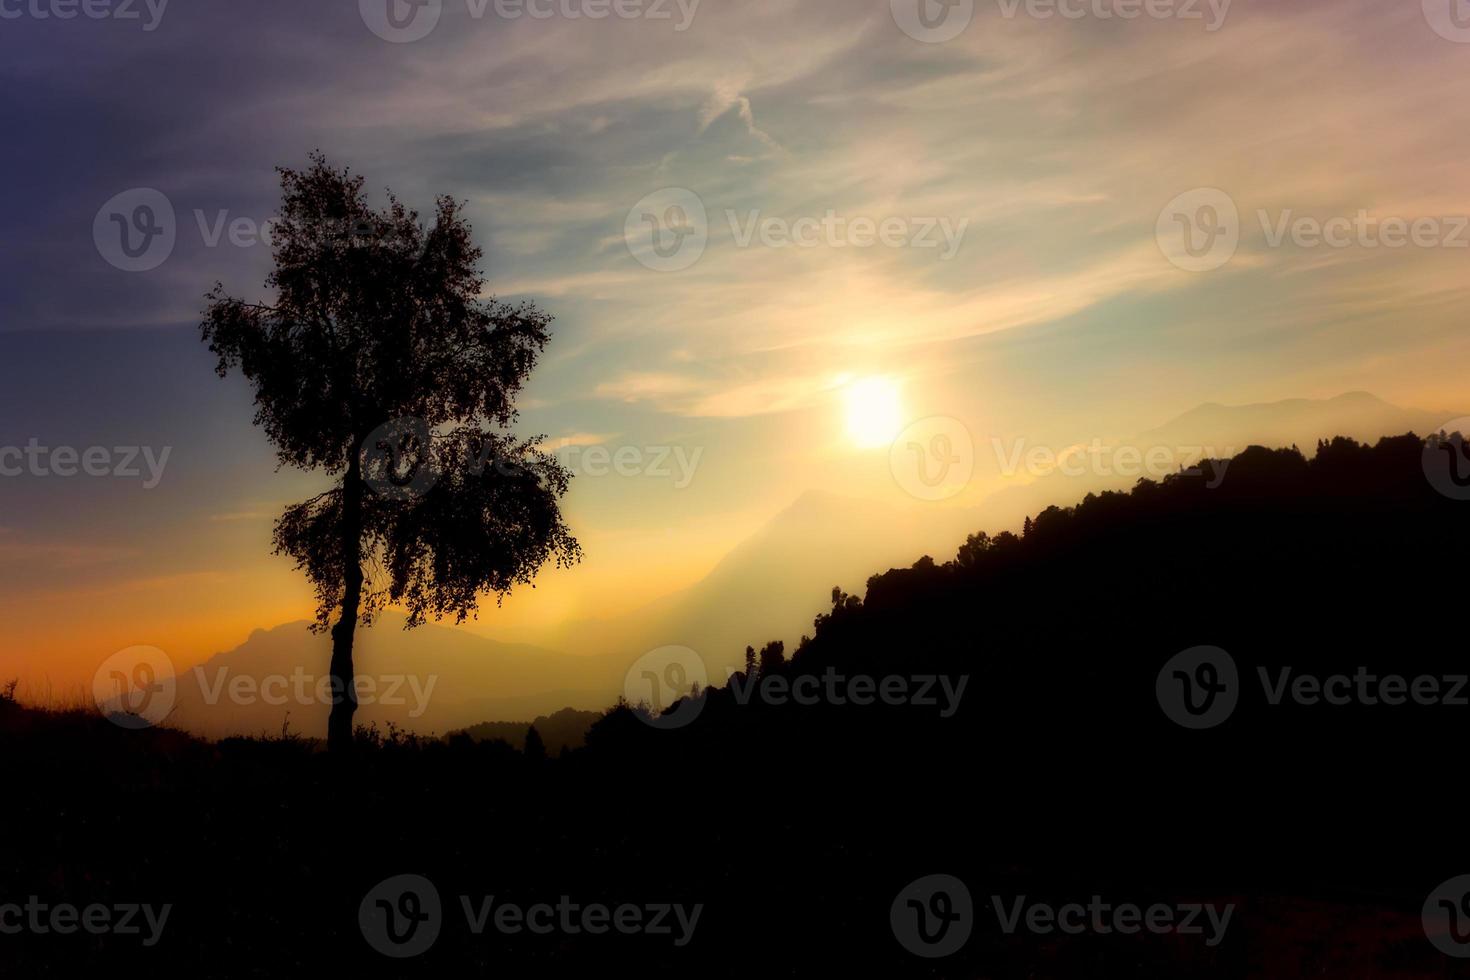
1363,397
1286,409
1359,415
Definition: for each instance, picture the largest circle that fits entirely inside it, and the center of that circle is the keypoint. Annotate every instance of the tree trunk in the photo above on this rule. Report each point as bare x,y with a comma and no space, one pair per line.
344,694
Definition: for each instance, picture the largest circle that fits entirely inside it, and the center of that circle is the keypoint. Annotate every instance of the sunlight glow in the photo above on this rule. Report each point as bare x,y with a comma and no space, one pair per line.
874,416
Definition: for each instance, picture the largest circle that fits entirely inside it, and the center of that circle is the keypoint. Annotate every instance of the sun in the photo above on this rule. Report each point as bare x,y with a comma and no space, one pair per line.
873,413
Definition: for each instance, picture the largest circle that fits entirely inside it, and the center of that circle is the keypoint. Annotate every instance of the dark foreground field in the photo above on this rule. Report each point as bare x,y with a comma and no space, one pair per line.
799,833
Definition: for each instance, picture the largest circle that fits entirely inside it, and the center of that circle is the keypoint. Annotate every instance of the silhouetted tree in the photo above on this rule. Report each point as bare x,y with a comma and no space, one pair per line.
773,655
535,750
971,551
750,661
379,364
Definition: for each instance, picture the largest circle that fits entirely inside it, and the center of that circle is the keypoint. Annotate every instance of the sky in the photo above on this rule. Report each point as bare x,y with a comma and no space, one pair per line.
861,219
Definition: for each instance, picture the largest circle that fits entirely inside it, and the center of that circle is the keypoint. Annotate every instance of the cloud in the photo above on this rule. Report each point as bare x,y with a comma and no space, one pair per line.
721,101
578,439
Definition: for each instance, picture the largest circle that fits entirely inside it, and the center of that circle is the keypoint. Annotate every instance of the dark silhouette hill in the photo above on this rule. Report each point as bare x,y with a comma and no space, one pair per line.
564,729
1055,771
1348,560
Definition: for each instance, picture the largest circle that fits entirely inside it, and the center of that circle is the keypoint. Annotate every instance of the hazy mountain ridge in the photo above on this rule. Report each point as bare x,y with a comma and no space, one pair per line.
1297,421
428,679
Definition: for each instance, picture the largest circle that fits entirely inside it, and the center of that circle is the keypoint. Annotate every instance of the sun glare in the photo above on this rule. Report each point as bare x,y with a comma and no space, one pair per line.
873,414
